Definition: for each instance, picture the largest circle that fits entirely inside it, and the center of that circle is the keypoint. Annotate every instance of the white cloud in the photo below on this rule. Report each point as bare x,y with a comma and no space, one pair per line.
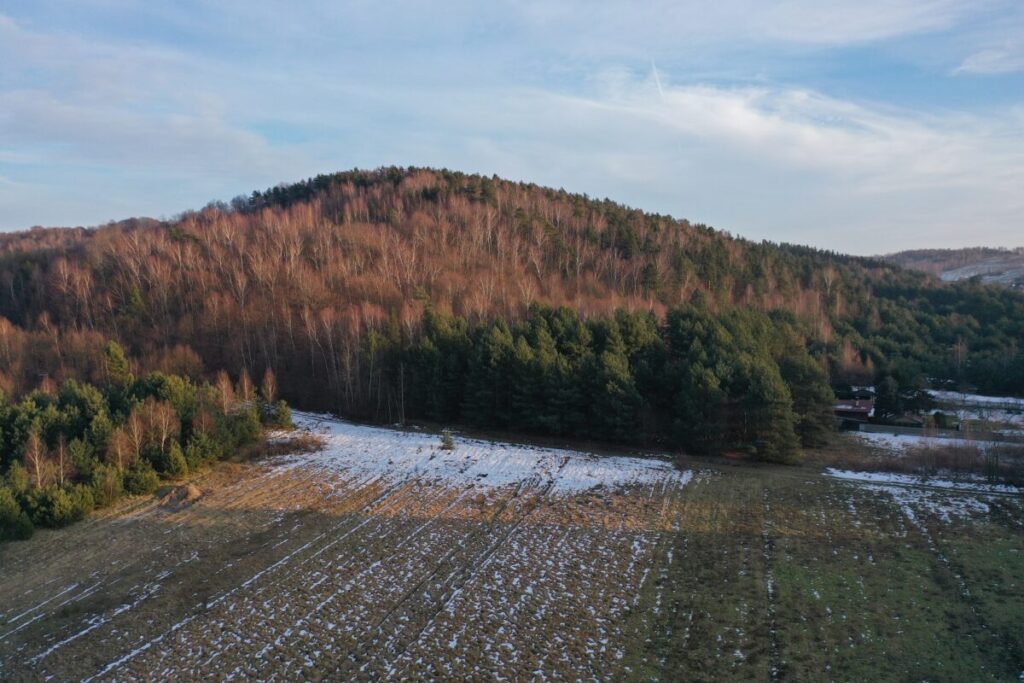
777,163
196,140
545,92
1008,58
886,149
838,22
624,26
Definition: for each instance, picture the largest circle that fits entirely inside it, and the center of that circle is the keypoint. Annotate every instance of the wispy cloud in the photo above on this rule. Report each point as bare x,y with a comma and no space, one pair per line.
197,141
108,112
886,148
1007,58
778,163
672,24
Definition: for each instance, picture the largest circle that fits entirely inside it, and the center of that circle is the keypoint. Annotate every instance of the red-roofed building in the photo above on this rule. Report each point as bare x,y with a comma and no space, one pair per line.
858,405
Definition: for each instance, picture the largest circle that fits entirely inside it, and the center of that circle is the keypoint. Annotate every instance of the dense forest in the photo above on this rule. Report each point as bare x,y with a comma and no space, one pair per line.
404,293
67,450
701,381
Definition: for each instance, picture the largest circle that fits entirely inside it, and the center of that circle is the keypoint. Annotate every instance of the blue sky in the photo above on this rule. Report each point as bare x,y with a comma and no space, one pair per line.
866,126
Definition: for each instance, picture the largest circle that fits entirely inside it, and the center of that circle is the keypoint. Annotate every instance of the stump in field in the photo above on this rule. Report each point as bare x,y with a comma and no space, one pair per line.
181,496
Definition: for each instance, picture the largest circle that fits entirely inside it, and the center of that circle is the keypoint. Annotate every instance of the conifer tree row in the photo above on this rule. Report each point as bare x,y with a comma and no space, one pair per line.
702,382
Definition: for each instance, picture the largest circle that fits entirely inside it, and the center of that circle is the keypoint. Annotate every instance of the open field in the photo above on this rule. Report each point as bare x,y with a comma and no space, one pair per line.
385,556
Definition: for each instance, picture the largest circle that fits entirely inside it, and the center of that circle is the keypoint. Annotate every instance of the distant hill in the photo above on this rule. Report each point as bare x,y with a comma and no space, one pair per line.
990,266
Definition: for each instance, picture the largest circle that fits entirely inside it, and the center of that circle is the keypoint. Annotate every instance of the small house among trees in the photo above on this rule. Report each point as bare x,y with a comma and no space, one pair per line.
857,405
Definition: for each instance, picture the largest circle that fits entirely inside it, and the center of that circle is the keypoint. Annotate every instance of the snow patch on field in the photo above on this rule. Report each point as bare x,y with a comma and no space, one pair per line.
986,414
957,398
914,480
941,498
387,454
997,410
943,506
430,564
898,443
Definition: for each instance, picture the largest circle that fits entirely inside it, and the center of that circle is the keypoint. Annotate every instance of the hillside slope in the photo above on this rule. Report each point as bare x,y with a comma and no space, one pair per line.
328,282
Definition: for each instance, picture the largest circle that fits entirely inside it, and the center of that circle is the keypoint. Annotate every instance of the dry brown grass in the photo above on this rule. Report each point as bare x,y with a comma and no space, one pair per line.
302,573
293,443
1002,463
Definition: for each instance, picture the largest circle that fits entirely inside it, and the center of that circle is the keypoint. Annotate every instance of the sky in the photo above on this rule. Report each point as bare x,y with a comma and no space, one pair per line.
864,126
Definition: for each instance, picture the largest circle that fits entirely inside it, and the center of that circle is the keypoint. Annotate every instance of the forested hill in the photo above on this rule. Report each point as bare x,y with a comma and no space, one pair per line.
408,292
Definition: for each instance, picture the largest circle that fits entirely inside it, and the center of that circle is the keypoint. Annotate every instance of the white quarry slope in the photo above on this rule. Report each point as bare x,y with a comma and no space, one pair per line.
1003,267
1006,272
372,452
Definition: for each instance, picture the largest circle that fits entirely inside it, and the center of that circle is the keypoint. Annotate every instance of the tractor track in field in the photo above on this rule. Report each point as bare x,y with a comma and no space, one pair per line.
386,557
